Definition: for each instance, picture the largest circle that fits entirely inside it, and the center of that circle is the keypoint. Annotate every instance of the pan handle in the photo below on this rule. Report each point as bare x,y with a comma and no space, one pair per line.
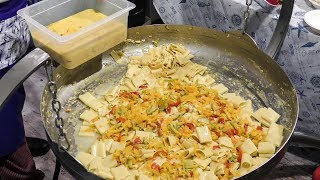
11,81
303,139
281,29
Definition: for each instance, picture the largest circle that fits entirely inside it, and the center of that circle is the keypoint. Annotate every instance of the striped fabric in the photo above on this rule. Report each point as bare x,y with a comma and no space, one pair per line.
19,165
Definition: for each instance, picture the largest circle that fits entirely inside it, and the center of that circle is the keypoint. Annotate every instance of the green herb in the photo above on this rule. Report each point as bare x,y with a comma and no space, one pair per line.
233,158
151,110
173,129
162,104
130,164
189,164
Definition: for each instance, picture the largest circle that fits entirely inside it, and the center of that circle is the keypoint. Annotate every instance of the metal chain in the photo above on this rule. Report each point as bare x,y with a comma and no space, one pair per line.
246,15
63,143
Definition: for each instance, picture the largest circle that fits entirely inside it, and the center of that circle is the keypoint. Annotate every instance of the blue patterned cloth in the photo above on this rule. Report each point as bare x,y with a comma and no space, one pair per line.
14,42
14,33
299,56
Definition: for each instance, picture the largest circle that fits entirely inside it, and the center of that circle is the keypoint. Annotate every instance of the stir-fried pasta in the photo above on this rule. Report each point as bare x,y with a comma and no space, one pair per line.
168,119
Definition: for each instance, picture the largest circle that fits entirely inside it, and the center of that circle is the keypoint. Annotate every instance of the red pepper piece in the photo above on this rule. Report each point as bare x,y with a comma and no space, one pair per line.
213,117
143,86
190,126
113,110
175,104
155,166
227,164
120,119
168,110
221,121
119,137
240,155
234,131
245,128
134,93
215,147
137,141
217,133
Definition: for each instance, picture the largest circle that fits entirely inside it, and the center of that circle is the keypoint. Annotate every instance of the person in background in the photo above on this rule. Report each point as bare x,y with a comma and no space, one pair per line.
16,160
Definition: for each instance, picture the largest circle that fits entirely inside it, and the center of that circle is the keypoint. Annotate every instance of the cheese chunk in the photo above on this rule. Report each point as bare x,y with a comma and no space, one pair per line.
234,99
86,123
89,116
102,125
143,134
258,116
246,160
225,141
248,147
120,172
148,153
89,100
220,88
109,162
204,134
203,163
160,160
104,174
207,175
87,131
205,80
144,177
95,164
84,158
266,148
93,148
101,149
170,141
275,134
108,143
257,161
270,115
117,146
266,155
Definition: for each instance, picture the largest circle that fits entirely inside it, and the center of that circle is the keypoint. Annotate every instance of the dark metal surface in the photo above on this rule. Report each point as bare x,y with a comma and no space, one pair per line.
281,29
11,81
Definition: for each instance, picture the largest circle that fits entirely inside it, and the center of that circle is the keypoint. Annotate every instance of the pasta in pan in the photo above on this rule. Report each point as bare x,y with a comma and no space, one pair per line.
168,120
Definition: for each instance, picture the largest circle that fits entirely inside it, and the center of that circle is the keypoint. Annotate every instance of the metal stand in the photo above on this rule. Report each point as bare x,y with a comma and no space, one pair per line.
56,170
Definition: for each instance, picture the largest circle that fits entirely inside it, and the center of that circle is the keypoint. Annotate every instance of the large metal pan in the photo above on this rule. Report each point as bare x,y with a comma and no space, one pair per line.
233,58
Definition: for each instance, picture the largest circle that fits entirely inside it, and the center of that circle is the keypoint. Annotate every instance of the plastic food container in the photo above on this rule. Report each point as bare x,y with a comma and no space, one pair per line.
79,47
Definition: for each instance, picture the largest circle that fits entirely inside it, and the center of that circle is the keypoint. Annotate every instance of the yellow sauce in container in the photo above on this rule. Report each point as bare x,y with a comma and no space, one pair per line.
76,22
85,46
